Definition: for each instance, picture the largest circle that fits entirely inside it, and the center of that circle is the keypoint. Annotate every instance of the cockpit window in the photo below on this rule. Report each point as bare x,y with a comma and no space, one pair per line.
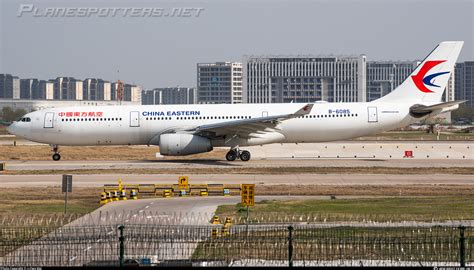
25,119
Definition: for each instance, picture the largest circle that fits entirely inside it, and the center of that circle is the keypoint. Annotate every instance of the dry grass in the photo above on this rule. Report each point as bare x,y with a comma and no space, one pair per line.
367,190
50,200
43,152
420,208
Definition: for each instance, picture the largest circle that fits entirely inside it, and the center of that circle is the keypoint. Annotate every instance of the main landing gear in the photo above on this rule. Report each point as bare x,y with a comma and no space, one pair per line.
233,154
56,155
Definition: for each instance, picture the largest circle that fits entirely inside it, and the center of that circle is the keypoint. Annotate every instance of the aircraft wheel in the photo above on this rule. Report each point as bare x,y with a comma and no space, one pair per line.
245,156
56,156
231,155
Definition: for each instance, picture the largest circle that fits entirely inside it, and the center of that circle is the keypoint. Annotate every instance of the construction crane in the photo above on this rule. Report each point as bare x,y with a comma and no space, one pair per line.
120,91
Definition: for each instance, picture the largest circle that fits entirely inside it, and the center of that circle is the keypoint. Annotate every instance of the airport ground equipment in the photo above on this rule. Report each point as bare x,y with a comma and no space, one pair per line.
115,195
167,193
103,198
180,189
183,182
214,233
215,220
110,197
408,154
215,189
248,197
226,227
123,195
133,195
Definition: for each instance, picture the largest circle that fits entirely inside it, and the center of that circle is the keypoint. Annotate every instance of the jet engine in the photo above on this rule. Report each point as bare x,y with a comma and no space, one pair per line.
183,144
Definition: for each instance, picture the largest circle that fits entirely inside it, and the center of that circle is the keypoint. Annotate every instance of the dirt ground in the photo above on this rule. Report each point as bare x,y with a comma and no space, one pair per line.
43,152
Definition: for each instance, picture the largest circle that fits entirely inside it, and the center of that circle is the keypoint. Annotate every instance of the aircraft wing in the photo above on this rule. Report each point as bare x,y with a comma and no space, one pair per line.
245,128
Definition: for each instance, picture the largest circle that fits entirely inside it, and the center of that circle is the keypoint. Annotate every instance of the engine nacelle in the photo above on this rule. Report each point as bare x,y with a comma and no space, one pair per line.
183,144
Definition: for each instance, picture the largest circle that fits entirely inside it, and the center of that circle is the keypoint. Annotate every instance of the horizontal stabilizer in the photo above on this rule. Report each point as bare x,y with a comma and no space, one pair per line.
419,110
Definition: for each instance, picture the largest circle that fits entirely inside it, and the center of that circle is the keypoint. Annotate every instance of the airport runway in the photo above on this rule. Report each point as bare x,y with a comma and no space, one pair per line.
98,180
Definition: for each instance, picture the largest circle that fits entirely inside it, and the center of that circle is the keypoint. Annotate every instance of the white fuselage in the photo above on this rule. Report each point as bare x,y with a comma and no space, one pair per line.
142,125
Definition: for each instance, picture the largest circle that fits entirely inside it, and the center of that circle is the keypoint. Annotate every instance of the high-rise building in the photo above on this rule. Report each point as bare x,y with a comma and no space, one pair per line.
464,82
272,79
219,82
384,76
9,86
29,88
15,82
132,93
169,95
96,89
104,90
45,90
148,97
68,88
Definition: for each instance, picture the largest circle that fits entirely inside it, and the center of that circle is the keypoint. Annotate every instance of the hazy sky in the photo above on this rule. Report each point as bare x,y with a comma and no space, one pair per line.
163,51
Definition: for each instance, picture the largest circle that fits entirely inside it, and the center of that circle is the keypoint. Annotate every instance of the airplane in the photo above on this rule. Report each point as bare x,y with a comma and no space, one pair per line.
190,129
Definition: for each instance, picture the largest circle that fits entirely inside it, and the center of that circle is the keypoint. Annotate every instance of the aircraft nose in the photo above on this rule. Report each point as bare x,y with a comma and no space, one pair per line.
11,129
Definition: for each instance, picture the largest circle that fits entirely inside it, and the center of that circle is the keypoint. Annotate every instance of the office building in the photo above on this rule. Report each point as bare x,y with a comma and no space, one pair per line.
9,86
34,105
45,90
273,79
385,76
219,82
96,89
132,93
67,88
29,88
464,82
169,95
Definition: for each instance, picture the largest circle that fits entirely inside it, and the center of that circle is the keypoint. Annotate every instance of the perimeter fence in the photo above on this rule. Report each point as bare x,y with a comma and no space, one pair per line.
352,244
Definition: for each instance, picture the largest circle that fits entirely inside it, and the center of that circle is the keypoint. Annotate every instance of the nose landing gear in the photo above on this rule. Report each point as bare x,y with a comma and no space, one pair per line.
56,155
233,154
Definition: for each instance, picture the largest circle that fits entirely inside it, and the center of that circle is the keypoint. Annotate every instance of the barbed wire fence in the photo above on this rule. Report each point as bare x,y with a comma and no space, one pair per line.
118,238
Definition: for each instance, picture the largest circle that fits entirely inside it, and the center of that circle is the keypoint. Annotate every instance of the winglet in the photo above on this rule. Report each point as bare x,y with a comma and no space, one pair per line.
305,110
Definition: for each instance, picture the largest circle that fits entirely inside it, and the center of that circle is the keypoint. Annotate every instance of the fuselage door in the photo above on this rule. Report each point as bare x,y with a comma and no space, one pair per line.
373,117
48,120
134,119
264,114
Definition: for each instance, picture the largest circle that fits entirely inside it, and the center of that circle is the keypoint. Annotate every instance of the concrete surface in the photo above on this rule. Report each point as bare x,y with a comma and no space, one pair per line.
220,164
367,149
98,180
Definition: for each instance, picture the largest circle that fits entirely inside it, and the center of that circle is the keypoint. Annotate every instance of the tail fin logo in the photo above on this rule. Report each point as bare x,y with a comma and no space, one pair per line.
421,80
